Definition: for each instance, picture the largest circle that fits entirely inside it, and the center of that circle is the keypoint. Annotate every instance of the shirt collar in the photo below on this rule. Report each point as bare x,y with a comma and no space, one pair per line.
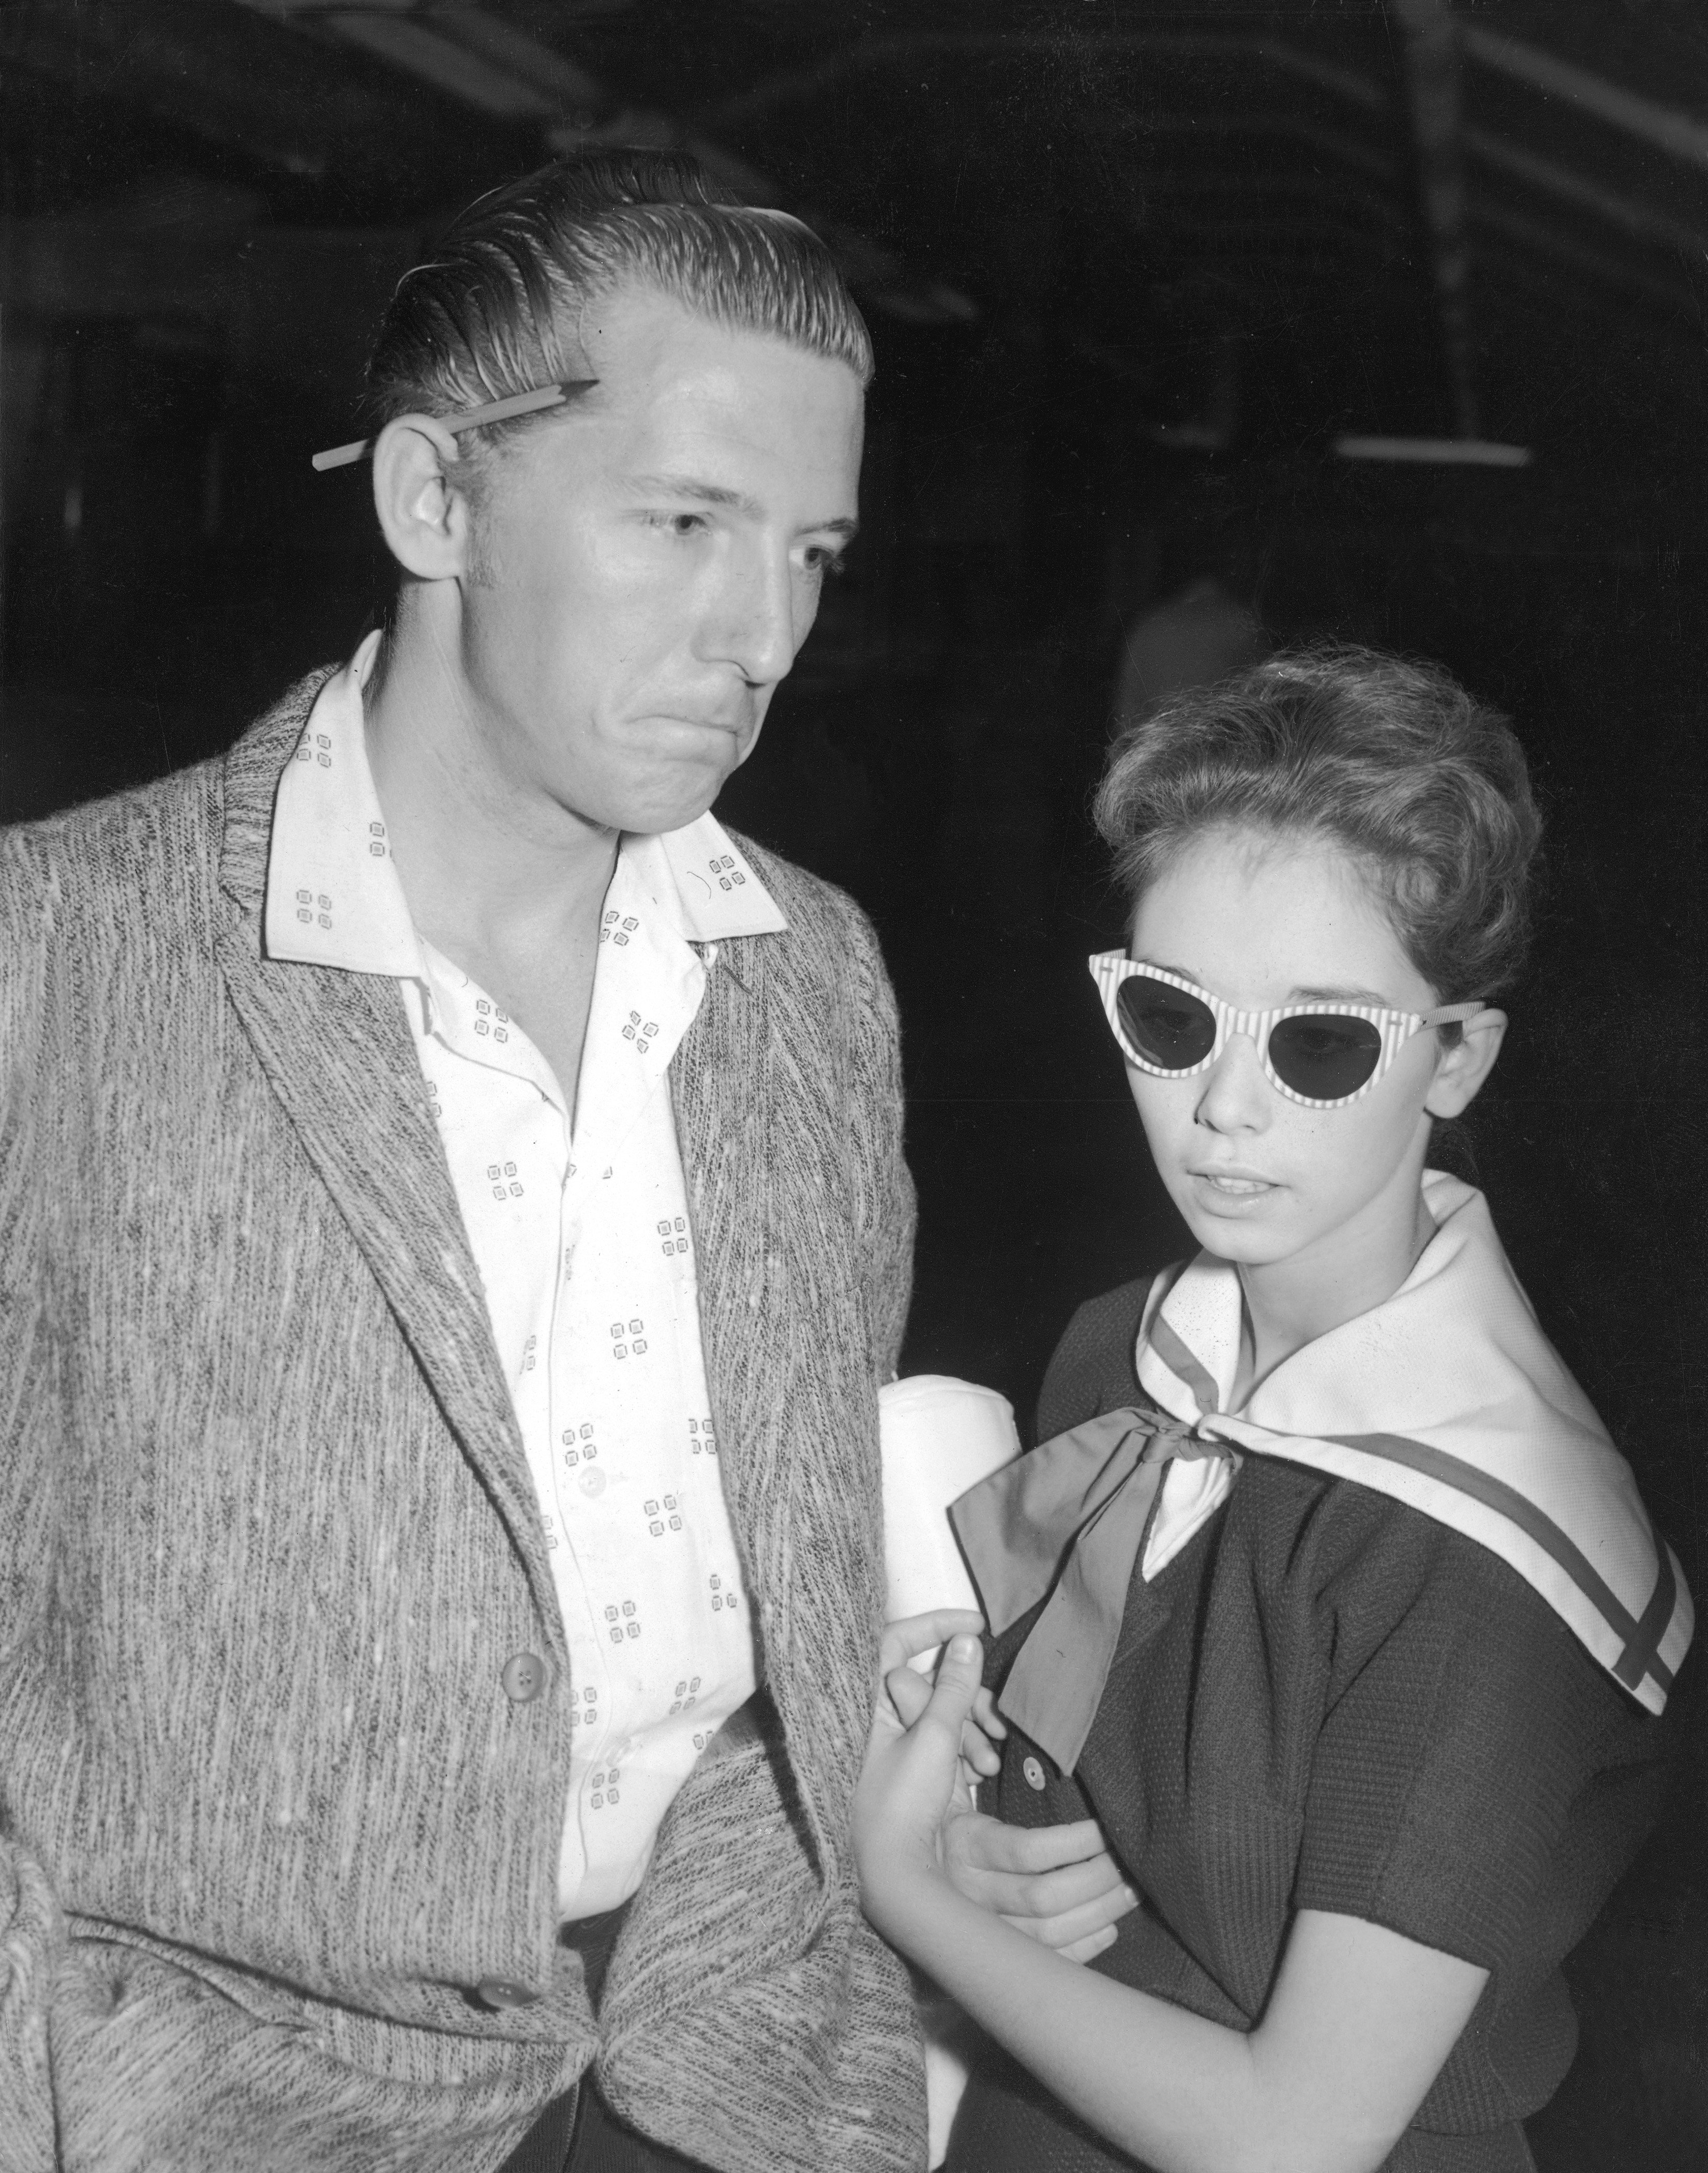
709,888
333,898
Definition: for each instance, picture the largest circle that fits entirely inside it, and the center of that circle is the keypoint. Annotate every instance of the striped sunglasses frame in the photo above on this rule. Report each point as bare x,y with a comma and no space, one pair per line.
1113,969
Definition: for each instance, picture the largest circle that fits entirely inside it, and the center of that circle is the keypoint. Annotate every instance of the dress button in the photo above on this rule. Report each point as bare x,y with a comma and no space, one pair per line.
502,1992
1033,1771
523,1678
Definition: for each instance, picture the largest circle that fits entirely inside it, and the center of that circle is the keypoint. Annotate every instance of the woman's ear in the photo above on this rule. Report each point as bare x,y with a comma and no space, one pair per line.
1462,1067
423,512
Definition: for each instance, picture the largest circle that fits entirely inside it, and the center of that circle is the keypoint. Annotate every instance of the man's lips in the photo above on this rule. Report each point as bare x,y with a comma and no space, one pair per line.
736,727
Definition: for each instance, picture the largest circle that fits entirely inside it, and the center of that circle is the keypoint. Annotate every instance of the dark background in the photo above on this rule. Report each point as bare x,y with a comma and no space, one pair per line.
1132,270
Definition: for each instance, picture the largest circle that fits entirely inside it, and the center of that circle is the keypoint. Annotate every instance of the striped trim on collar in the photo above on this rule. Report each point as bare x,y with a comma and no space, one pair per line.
1449,1398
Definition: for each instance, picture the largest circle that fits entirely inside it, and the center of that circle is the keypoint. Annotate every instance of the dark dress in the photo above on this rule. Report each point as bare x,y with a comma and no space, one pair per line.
1327,1701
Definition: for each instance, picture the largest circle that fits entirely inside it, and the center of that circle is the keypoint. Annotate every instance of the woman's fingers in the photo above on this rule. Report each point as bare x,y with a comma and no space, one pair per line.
980,1752
950,1703
915,1634
1083,1950
990,1846
1057,1884
910,1694
987,1717
980,1736
908,1779
1071,1924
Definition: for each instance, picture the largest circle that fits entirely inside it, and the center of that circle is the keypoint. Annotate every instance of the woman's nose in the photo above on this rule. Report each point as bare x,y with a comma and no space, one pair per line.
1236,1096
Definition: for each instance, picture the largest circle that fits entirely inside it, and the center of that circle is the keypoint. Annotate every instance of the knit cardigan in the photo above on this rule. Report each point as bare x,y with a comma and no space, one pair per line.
267,1536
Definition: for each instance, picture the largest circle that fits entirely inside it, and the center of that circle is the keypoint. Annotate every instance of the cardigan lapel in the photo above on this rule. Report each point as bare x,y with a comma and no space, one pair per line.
746,1932
785,1406
336,1049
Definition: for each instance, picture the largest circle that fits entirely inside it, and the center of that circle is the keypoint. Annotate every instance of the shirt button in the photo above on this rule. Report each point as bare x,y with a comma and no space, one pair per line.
593,1482
1033,1771
523,1678
503,1991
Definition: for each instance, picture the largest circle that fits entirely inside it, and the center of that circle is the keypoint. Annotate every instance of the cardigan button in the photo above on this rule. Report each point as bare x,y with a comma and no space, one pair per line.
504,1991
524,1677
1033,1771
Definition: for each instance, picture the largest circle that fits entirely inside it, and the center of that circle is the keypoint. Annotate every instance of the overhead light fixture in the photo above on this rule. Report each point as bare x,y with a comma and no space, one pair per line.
1435,452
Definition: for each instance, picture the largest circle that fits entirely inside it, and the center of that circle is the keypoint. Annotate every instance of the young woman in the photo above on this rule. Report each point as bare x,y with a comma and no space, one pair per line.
1327,1593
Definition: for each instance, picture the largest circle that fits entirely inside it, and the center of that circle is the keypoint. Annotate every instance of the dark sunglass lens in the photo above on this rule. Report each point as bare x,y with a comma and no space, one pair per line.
1167,1027
1325,1059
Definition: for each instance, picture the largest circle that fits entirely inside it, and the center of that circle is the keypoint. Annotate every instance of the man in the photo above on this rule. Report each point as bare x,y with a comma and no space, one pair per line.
453,1228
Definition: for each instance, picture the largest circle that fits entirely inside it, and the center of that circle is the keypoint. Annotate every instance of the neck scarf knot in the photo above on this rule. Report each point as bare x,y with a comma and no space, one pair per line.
1074,1515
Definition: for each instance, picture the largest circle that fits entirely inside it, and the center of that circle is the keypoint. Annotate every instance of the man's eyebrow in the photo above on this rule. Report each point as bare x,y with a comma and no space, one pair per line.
713,493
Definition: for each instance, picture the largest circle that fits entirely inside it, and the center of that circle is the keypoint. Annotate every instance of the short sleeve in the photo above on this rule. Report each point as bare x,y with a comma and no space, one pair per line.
1472,1756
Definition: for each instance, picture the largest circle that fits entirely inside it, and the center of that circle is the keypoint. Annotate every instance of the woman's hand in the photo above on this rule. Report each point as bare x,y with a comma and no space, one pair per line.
1059,1884
913,1773
909,1692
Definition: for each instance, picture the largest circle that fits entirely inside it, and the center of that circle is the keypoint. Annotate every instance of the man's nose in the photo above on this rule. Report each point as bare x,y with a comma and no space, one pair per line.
1236,1095
754,624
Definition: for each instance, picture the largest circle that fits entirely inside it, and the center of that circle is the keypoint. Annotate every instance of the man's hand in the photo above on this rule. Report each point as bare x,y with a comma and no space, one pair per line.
1059,1884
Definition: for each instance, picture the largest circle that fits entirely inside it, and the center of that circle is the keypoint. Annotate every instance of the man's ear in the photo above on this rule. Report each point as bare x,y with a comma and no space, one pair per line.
1461,1069
424,513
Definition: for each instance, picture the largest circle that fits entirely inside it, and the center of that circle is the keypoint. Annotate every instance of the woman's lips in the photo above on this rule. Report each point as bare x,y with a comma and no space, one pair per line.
1232,1184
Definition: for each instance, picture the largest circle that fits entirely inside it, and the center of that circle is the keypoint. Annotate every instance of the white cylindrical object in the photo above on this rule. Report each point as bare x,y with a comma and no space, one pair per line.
939,1437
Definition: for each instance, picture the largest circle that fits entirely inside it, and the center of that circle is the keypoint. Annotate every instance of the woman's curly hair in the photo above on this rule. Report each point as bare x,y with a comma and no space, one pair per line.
1426,786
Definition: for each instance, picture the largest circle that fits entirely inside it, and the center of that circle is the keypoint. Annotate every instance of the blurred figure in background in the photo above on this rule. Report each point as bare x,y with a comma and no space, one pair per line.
1202,624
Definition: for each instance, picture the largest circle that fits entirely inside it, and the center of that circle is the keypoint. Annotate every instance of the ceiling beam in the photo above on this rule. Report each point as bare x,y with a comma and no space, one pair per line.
296,115
905,48
467,53
448,65
1217,122
1681,135
540,65
1433,103
1360,207
1638,219
1600,264
1523,265
1285,236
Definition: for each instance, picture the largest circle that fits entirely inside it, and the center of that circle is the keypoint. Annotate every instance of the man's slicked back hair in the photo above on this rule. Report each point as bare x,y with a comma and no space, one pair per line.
498,309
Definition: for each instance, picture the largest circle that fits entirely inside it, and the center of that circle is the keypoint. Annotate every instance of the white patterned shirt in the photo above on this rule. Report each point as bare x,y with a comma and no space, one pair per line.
582,1238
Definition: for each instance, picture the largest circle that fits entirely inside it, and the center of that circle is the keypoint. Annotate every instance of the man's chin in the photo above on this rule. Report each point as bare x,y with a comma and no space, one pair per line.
673,783
657,800
648,812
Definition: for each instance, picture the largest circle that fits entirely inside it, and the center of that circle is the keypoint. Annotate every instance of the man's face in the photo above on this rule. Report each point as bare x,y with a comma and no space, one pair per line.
648,565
